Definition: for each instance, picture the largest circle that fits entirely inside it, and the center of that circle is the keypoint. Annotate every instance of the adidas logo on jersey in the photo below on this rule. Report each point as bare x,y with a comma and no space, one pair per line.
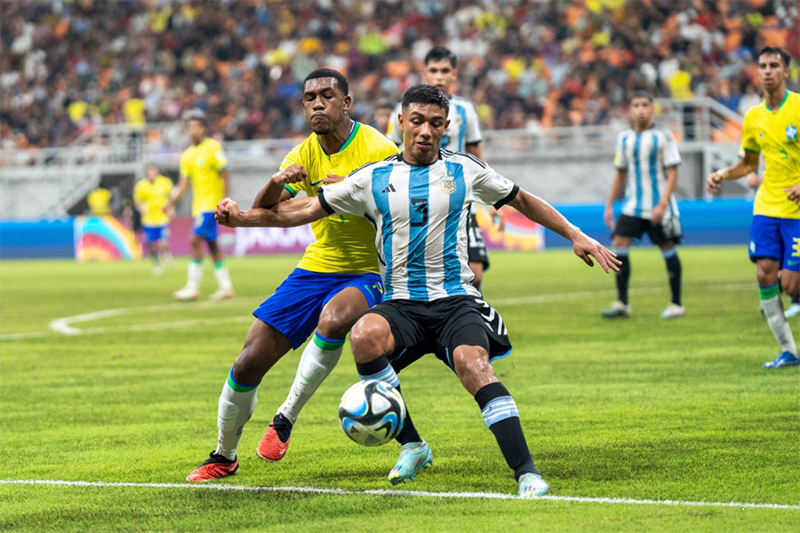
388,189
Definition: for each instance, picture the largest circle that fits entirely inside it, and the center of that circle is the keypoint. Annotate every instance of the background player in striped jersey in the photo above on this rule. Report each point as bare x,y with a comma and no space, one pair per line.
335,282
151,198
772,128
462,135
419,201
647,162
203,165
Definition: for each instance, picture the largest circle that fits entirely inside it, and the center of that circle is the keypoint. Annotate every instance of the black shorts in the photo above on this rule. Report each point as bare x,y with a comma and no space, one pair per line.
635,227
440,326
476,248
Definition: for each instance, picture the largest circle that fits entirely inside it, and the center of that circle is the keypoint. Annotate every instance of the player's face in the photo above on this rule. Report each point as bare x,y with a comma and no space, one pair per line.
771,71
151,173
441,74
642,111
196,131
324,105
423,126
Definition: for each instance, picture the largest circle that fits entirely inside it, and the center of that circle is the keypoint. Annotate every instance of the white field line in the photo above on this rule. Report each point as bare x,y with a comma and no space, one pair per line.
382,492
64,326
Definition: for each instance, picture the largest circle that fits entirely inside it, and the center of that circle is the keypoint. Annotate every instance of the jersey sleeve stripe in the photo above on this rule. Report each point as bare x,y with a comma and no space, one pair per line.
324,203
510,197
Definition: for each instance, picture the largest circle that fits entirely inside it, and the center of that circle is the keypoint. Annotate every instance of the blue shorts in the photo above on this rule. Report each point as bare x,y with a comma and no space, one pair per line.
295,307
155,233
205,226
776,238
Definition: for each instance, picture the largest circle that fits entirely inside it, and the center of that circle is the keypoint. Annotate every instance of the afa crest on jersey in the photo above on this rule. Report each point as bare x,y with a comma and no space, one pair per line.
791,132
448,183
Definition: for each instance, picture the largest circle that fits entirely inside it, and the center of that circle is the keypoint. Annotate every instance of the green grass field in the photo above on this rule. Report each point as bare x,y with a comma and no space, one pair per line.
640,409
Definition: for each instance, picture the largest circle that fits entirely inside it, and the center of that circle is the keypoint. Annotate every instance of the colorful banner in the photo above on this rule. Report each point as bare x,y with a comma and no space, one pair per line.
520,233
104,239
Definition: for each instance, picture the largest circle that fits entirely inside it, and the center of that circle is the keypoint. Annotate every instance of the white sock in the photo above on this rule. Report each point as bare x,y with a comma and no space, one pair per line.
316,363
236,405
773,310
194,274
222,276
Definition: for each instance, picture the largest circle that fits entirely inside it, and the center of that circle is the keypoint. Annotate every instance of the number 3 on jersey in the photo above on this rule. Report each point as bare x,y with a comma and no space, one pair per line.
419,215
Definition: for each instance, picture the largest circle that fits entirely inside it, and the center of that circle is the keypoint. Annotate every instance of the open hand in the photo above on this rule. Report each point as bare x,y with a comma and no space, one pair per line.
585,247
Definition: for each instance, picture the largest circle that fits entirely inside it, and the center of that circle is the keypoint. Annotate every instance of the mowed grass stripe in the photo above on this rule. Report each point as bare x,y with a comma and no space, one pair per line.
406,493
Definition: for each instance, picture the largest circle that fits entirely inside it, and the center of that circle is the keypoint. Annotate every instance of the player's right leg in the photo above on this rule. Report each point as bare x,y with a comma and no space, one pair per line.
372,340
621,245
263,347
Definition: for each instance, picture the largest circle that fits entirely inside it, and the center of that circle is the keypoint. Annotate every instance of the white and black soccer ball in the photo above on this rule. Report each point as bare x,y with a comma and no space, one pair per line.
372,412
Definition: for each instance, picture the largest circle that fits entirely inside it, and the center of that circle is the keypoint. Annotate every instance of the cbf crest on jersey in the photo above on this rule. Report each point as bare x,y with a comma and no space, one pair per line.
791,132
448,183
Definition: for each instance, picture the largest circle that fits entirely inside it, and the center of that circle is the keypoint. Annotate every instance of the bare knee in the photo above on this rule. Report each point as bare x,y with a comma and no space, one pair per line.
263,348
371,338
791,283
339,315
767,272
473,368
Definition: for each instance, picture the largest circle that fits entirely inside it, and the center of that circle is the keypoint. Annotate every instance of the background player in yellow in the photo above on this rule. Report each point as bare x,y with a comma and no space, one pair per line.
336,281
151,198
203,163
771,128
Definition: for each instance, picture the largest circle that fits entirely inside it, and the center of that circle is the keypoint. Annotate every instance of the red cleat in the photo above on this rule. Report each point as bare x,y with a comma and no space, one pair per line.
215,467
272,448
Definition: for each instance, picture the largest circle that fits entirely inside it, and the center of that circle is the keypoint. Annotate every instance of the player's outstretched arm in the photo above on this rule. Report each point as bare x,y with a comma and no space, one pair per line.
284,215
584,246
743,167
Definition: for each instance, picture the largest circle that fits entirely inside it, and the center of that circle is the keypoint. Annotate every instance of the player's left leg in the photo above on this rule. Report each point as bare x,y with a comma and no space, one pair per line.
470,334
194,273
675,308
373,340
320,355
221,274
771,304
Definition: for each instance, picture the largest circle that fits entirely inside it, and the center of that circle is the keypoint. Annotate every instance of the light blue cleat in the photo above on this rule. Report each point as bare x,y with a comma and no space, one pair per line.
793,311
532,486
414,456
784,359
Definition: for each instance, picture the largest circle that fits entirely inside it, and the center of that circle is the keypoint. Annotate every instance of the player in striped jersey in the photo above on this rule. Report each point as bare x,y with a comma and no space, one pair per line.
335,282
462,135
647,162
772,128
419,202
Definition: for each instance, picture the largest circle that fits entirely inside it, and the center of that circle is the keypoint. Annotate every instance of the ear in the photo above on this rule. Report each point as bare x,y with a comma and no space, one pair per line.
348,100
400,124
446,124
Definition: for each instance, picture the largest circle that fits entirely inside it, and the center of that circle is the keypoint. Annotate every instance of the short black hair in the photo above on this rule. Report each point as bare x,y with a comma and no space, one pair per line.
196,114
641,94
440,52
785,57
329,73
384,104
426,94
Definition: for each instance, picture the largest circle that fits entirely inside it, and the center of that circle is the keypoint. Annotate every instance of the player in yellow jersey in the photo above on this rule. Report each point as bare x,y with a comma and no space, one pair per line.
336,281
151,198
772,128
204,165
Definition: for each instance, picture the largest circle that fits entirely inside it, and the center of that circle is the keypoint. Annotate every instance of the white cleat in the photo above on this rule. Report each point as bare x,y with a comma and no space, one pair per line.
674,311
532,486
186,294
793,311
617,310
222,294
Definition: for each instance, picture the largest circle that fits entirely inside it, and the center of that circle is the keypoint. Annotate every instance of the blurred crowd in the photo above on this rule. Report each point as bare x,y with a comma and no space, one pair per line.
69,65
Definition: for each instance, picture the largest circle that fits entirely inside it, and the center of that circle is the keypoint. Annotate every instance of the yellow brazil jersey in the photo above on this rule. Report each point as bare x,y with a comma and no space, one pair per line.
774,133
202,163
154,195
345,243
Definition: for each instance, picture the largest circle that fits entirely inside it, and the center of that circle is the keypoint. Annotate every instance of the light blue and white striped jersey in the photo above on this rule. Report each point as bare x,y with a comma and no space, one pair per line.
420,215
644,156
463,129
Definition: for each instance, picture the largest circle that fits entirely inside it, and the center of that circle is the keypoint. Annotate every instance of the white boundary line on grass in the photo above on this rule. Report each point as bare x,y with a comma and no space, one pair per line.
64,325
381,492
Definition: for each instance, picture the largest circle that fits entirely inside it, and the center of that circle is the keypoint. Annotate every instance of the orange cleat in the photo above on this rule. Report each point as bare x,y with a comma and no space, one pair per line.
215,467
272,448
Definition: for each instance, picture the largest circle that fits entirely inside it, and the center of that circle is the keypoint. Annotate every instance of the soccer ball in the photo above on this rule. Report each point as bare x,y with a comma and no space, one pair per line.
372,412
